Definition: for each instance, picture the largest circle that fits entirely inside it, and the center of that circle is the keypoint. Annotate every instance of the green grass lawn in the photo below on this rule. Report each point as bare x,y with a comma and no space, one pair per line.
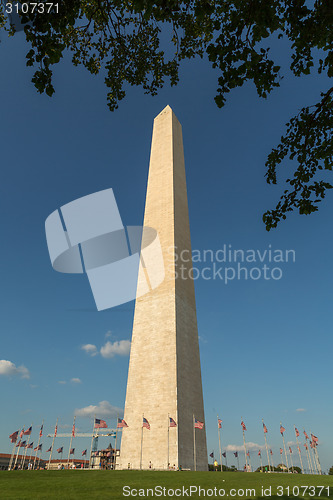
84,484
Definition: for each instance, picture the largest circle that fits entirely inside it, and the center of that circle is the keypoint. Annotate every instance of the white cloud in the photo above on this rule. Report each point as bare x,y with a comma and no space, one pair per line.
249,446
110,349
202,339
103,409
90,349
62,382
8,368
76,380
301,409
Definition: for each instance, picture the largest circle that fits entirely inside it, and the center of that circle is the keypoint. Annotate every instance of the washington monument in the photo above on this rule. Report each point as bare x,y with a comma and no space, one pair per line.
164,377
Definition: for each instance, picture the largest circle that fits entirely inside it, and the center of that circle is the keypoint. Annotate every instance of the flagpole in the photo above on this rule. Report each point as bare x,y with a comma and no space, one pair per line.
272,459
316,453
260,461
314,449
299,450
35,459
284,446
40,433
269,465
24,454
308,457
141,442
244,446
300,456
314,460
12,455
70,443
285,452
168,441
250,461
194,450
291,459
316,471
30,458
115,445
310,454
219,430
18,449
92,439
238,460
26,448
54,435
315,456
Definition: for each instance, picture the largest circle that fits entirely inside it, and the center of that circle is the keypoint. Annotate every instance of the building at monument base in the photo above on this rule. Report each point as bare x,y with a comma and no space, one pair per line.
164,378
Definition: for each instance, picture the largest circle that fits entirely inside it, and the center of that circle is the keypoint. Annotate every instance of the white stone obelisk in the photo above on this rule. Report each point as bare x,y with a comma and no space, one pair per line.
164,376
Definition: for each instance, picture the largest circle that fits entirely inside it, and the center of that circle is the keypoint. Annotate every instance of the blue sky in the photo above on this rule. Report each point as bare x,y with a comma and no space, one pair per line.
265,345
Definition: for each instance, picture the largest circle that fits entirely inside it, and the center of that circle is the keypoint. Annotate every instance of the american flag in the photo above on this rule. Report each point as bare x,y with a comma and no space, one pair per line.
259,453
72,451
265,428
30,445
306,436
243,426
236,453
271,452
121,423
312,444
172,423
21,433
145,423
306,446
248,453
100,424
296,432
290,450
224,454
28,431
47,451
84,453
41,431
212,455
59,450
13,437
281,451
22,445
219,423
282,429
55,430
314,438
18,444
73,431
38,448
198,424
